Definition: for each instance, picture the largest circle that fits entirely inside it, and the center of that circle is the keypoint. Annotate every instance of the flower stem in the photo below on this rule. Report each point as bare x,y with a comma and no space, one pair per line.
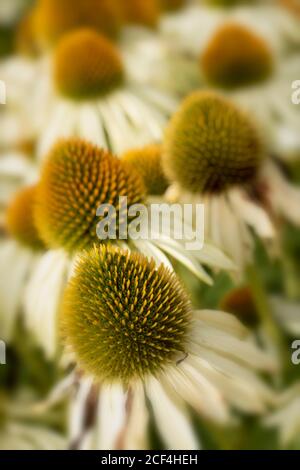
265,314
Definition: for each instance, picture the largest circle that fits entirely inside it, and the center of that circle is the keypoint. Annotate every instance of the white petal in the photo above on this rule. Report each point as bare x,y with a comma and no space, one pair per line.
42,298
252,214
15,262
171,417
222,321
111,417
136,432
201,394
240,350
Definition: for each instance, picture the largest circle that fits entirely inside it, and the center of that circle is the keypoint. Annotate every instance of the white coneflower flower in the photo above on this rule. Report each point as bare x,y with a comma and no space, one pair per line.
240,60
213,152
18,255
192,27
286,419
243,65
83,90
76,179
131,328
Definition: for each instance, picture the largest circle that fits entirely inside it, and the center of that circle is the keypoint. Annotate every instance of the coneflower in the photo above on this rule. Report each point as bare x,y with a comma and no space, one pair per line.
92,95
213,151
76,179
244,59
131,328
236,57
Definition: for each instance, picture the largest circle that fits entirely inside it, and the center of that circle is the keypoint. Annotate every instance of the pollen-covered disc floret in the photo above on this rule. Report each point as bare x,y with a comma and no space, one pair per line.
236,57
54,18
123,316
140,12
20,218
148,162
76,179
211,145
87,65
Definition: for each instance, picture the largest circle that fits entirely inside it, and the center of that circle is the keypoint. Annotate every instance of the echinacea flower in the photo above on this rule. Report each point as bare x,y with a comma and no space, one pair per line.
131,329
18,254
213,152
238,60
76,179
116,114
194,26
92,97
38,32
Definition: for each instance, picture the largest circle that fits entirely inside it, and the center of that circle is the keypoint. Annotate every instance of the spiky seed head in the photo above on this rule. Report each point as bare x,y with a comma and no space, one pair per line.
122,316
76,179
211,145
236,57
87,65
20,218
240,302
140,12
148,162
54,18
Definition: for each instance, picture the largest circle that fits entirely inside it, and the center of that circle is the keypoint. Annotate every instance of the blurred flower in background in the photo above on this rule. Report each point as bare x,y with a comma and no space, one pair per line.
133,343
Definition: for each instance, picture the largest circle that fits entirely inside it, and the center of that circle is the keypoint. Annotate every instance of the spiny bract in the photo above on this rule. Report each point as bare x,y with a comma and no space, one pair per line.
148,162
87,65
76,179
236,57
20,218
54,18
211,145
122,316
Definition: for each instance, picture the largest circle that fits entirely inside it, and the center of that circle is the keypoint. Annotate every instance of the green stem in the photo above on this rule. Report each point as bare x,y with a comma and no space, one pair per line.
265,313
